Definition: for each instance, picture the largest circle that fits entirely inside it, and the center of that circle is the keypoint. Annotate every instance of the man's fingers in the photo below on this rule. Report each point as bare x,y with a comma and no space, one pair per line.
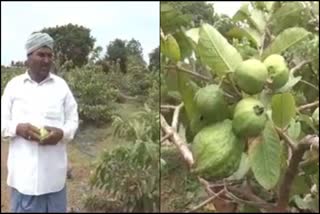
34,129
32,134
48,139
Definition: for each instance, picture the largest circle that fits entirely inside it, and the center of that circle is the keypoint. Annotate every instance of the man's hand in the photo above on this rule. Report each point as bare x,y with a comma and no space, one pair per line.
55,135
28,131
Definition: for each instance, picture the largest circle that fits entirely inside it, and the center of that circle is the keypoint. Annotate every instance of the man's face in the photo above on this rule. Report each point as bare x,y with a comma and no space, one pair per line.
40,62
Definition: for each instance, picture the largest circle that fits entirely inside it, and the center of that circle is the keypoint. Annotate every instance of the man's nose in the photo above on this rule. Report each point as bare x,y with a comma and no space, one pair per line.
47,59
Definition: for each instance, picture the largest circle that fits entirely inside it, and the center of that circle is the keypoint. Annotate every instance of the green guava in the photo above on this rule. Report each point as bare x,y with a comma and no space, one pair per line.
278,71
210,102
250,76
217,151
249,117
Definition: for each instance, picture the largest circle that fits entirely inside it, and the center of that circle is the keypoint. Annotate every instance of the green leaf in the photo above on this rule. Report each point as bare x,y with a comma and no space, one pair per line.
193,34
285,40
257,20
170,77
187,89
292,81
172,19
245,208
307,203
184,44
252,35
242,13
171,48
308,121
265,157
283,109
216,52
299,186
294,129
269,5
289,15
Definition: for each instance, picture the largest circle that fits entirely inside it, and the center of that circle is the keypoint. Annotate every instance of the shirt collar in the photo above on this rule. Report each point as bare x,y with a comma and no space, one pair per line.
27,77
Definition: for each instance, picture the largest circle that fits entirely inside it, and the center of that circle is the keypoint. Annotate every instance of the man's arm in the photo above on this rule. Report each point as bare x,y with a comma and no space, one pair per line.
8,127
71,117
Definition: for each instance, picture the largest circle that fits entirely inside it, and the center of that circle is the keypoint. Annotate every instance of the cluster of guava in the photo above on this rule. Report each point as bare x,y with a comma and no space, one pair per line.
218,134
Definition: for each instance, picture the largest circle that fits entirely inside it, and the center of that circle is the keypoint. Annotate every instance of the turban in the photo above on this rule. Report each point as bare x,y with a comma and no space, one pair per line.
38,40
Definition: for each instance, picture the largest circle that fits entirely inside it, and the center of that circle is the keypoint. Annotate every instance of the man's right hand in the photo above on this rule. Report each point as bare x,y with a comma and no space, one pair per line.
28,131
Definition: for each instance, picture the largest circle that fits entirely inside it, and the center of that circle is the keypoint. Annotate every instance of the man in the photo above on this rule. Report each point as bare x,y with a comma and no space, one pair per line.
37,167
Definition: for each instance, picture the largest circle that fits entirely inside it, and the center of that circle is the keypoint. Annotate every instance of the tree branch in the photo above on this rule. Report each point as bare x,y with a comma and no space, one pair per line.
286,138
178,141
165,137
297,67
254,200
292,170
310,84
175,118
168,106
309,105
233,85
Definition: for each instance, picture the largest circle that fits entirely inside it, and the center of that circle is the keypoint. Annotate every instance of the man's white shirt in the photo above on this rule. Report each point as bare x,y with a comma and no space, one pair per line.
35,169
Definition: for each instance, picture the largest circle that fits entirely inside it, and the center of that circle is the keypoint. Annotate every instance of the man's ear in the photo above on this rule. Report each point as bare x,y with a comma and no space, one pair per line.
27,62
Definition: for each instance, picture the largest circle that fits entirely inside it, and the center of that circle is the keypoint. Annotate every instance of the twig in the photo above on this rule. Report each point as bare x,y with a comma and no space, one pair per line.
197,75
286,138
292,170
178,141
309,161
230,182
262,43
309,105
297,67
168,106
206,201
175,118
165,138
316,18
309,84
254,200
233,84
208,189
206,185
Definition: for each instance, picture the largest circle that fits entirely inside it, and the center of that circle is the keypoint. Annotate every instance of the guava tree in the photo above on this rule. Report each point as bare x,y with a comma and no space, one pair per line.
248,102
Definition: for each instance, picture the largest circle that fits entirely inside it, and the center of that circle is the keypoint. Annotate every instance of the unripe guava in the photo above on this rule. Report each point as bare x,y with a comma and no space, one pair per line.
217,151
251,76
43,133
196,124
210,102
249,117
278,70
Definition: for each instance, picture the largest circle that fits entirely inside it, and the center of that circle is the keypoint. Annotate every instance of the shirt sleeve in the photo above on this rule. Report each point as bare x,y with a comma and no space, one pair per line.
71,117
8,127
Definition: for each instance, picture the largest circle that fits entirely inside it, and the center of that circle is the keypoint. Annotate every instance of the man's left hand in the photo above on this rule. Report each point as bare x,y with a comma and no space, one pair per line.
55,135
